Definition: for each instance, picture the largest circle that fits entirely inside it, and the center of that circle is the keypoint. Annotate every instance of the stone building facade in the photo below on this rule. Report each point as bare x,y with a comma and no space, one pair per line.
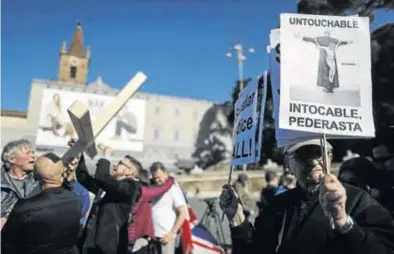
171,126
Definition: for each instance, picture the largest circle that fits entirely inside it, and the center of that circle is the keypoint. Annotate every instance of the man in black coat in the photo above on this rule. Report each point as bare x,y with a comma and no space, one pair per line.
106,228
319,216
47,223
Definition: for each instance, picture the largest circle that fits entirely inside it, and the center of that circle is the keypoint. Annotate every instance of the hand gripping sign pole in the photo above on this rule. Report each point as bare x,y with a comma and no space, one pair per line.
88,132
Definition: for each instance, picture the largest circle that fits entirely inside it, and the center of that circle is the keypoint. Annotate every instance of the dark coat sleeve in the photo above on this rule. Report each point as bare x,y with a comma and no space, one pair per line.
373,231
124,189
84,178
13,229
247,238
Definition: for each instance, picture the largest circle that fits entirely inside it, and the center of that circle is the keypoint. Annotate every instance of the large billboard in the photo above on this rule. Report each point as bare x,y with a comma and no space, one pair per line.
124,132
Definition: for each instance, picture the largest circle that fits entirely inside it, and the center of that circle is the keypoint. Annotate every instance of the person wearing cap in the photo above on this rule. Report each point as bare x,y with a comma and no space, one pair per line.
47,222
321,215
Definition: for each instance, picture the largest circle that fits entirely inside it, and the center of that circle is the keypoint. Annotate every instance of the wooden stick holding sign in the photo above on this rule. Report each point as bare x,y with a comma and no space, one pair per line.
323,142
326,168
88,132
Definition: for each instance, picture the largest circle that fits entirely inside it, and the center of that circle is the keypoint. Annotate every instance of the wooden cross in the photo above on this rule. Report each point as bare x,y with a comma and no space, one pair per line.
88,132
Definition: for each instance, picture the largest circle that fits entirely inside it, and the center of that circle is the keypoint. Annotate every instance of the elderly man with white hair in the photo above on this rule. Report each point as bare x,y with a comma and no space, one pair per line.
17,178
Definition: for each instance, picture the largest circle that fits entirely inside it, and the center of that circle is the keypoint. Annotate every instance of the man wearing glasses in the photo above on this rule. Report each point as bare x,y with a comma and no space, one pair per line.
116,192
321,215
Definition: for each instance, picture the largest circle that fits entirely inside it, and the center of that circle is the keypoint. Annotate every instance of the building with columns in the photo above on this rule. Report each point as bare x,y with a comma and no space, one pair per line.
151,127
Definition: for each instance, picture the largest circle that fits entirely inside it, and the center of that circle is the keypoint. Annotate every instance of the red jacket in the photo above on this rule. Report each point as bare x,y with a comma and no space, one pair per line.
142,224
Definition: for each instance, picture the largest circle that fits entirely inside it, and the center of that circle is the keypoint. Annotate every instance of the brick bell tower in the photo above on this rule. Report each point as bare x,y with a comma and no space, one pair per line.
74,62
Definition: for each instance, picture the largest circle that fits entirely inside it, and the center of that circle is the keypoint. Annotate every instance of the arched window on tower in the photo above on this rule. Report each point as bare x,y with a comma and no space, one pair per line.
73,72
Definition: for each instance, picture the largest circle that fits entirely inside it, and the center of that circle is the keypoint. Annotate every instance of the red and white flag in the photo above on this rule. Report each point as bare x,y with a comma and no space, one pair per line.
196,239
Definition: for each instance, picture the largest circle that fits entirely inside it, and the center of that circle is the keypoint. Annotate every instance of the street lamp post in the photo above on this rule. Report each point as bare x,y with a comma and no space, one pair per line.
238,47
239,50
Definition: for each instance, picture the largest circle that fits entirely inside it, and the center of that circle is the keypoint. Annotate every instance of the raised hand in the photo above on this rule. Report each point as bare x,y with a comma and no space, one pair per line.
71,142
69,170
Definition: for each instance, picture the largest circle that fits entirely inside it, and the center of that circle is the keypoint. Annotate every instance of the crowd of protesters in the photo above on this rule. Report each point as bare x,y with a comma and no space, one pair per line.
45,205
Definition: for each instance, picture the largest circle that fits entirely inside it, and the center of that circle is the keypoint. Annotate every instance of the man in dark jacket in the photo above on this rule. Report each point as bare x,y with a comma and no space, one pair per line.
17,178
47,222
268,192
319,216
106,228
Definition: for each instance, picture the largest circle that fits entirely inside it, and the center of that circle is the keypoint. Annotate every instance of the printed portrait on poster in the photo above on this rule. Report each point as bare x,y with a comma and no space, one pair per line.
55,119
124,132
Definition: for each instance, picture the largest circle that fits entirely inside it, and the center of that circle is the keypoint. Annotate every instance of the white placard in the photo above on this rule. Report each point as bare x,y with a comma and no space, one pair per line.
326,75
283,137
244,133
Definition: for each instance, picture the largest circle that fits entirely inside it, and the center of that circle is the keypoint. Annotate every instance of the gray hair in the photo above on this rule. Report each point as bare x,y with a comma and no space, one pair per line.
11,149
289,179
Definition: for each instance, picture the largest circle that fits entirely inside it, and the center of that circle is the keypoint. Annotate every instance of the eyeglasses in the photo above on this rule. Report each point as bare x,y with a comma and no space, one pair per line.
122,163
307,153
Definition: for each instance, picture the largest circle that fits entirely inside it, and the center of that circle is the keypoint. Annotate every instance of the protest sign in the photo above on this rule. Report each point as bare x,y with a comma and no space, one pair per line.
326,75
274,61
260,110
283,137
245,123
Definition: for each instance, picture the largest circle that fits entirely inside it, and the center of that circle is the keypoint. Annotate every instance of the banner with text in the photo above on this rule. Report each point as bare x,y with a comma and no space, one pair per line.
326,75
245,124
260,110
124,132
283,137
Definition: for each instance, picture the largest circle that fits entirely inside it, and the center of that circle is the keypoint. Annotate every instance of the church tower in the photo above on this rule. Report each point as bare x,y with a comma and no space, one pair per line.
74,62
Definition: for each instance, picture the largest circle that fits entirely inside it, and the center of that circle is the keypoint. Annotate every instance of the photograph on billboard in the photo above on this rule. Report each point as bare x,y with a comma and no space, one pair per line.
124,132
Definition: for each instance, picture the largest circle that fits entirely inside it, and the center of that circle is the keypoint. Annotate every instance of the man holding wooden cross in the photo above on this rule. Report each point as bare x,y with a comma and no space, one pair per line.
321,215
116,191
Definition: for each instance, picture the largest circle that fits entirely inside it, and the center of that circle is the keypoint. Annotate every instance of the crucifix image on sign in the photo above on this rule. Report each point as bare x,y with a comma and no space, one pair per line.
328,68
